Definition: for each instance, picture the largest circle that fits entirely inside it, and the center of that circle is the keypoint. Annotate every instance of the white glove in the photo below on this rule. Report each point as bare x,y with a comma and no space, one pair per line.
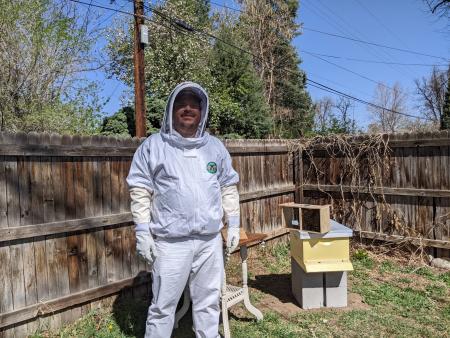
232,240
145,246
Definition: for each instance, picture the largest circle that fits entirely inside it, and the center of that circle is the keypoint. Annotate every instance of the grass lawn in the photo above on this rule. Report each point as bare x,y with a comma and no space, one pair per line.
387,297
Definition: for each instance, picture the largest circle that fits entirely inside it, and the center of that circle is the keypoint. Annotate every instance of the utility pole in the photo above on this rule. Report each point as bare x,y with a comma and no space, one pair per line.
139,75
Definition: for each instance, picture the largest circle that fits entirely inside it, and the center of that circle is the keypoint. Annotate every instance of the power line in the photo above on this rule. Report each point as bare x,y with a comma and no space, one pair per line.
375,61
346,29
227,7
391,56
373,43
348,70
110,16
323,87
337,92
349,38
380,22
339,84
109,8
192,29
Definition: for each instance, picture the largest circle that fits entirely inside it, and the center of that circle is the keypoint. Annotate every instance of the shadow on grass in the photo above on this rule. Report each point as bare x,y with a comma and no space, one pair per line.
277,285
130,310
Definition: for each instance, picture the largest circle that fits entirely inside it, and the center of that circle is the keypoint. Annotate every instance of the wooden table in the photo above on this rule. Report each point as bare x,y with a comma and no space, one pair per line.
231,295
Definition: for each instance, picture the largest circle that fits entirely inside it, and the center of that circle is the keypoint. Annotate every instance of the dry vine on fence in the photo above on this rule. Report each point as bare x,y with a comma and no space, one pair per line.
357,166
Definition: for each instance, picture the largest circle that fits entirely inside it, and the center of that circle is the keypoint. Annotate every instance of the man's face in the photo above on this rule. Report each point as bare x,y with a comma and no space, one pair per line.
186,114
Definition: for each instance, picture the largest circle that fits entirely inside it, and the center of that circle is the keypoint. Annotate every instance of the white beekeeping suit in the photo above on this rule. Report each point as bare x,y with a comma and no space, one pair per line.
180,188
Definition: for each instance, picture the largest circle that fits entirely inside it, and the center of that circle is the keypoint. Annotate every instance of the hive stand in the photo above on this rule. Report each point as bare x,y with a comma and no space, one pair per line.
231,295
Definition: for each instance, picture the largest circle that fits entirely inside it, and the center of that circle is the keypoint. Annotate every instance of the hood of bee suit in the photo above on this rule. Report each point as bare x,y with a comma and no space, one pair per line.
167,130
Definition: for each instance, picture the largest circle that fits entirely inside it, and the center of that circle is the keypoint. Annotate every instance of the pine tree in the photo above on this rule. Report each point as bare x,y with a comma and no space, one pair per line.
292,104
121,123
445,117
270,29
239,107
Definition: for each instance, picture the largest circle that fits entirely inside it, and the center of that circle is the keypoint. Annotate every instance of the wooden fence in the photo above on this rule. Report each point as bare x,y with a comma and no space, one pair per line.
66,237
406,195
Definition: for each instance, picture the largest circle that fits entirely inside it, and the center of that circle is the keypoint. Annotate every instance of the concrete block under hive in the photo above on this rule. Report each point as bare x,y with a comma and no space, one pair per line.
318,289
307,217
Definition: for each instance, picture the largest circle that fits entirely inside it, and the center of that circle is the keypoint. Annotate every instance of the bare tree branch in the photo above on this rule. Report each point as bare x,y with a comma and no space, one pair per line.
395,100
431,94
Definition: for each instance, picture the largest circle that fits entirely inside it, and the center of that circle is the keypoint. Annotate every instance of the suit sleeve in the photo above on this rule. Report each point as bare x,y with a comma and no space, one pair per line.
230,204
140,184
228,180
139,175
227,176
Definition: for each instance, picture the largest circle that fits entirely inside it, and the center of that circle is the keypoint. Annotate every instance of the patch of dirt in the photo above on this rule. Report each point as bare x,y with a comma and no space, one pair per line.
273,293
271,303
289,306
355,302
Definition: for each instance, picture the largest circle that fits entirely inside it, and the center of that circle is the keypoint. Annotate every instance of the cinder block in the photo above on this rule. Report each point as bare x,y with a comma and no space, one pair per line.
335,284
308,288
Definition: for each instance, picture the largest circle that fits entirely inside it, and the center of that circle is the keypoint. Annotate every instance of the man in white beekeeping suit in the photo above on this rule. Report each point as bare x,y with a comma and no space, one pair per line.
181,183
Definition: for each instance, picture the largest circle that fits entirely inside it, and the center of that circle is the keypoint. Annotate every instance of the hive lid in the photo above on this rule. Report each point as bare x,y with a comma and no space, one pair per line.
337,230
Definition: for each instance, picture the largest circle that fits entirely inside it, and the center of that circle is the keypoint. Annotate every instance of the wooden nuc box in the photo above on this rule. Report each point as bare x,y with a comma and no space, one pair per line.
308,217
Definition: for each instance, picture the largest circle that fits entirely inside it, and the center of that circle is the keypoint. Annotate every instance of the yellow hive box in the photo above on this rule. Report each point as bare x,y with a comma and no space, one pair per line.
322,252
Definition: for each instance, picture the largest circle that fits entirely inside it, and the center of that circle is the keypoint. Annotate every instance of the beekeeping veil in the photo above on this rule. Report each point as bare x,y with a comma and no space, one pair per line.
167,129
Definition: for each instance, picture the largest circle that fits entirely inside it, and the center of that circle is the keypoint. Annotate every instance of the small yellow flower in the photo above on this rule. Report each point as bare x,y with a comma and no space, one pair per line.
110,327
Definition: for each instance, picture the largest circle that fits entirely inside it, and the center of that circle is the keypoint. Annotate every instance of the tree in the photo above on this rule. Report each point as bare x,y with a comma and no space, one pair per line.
431,93
439,7
266,24
173,56
345,125
445,124
45,47
237,105
332,117
323,113
121,123
394,99
270,27
242,89
242,110
292,107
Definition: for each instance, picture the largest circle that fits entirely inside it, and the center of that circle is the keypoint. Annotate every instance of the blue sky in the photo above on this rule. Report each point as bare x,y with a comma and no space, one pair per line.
404,24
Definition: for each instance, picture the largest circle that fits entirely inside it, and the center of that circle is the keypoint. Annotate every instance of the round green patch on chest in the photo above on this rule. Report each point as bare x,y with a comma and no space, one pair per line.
211,167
